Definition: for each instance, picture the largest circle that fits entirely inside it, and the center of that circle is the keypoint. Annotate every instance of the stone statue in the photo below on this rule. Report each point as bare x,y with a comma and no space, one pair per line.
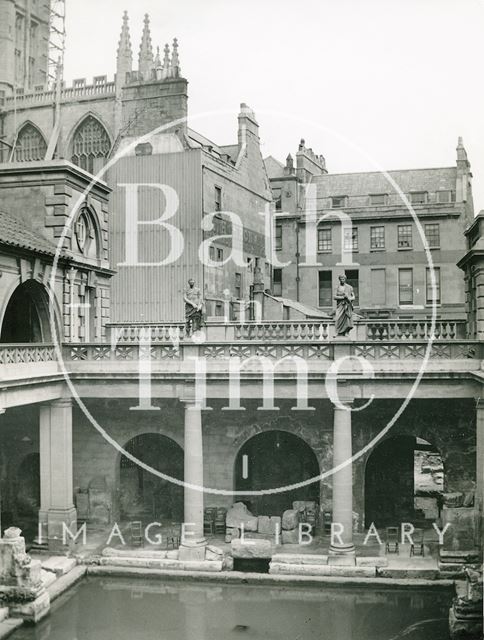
344,297
193,307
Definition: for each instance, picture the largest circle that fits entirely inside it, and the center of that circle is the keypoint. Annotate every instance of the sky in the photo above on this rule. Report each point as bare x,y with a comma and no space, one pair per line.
370,84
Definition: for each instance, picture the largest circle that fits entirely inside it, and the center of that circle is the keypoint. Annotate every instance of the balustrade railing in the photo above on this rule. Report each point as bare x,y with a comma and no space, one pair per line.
282,331
69,93
142,332
290,330
395,330
377,340
27,353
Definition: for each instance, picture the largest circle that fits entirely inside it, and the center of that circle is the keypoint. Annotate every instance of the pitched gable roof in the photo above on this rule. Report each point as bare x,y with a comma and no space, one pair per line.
16,233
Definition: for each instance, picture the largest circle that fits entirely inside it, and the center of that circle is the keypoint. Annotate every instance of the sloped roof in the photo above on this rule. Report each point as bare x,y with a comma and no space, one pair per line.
197,139
274,168
231,150
16,233
358,184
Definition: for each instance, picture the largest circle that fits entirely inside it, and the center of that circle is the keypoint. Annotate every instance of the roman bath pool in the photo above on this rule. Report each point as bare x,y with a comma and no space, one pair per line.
130,609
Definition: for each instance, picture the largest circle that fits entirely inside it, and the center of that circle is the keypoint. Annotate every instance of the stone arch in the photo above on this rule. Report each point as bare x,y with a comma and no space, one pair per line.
27,315
143,495
90,144
275,458
30,143
404,481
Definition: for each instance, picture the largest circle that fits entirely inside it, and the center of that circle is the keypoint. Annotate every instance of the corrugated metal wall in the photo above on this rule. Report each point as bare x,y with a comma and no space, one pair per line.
154,293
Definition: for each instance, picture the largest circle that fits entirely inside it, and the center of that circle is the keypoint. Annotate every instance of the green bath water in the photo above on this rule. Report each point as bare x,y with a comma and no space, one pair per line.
121,609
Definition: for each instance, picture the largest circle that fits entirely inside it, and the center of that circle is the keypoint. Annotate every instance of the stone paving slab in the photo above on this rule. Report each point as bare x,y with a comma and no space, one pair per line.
111,552
408,572
239,577
151,563
368,561
66,581
60,565
301,558
47,577
277,568
7,627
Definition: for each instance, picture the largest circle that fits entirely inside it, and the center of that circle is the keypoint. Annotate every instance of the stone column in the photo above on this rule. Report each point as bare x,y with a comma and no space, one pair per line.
193,544
56,490
342,481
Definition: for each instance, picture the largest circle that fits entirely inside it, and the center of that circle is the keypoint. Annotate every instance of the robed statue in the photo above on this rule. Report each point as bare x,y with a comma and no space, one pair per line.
344,297
193,307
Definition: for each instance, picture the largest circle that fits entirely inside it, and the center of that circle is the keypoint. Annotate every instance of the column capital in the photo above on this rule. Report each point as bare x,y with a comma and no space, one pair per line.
59,403
189,402
479,403
187,396
347,402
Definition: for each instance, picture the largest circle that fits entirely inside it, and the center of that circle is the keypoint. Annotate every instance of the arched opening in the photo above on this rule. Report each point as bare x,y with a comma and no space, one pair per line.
142,494
21,499
90,145
30,144
404,481
276,459
26,317
28,486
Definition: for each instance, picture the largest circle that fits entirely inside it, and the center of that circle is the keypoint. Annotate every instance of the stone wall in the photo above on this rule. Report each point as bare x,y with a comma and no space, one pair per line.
448,424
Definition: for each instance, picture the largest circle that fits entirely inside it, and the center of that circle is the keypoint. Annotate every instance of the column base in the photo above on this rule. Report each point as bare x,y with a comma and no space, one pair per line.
342,550
193,549
59,523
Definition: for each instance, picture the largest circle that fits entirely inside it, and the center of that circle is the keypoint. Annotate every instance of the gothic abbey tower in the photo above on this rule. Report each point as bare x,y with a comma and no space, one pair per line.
38,124
24,44
88,122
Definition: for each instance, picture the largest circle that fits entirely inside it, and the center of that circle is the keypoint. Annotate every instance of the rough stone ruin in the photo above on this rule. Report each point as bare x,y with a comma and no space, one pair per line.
465,615
21,587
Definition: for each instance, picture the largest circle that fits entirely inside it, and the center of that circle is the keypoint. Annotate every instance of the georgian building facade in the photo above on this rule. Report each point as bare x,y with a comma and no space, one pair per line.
383,251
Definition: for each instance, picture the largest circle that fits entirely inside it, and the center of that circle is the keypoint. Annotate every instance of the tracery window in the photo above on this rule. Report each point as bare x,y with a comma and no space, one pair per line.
90,145
30,144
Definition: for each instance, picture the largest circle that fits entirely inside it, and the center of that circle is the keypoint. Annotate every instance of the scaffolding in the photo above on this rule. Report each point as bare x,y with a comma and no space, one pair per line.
57,42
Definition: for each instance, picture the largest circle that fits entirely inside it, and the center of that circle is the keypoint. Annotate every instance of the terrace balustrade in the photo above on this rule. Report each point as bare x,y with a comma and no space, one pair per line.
376,341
